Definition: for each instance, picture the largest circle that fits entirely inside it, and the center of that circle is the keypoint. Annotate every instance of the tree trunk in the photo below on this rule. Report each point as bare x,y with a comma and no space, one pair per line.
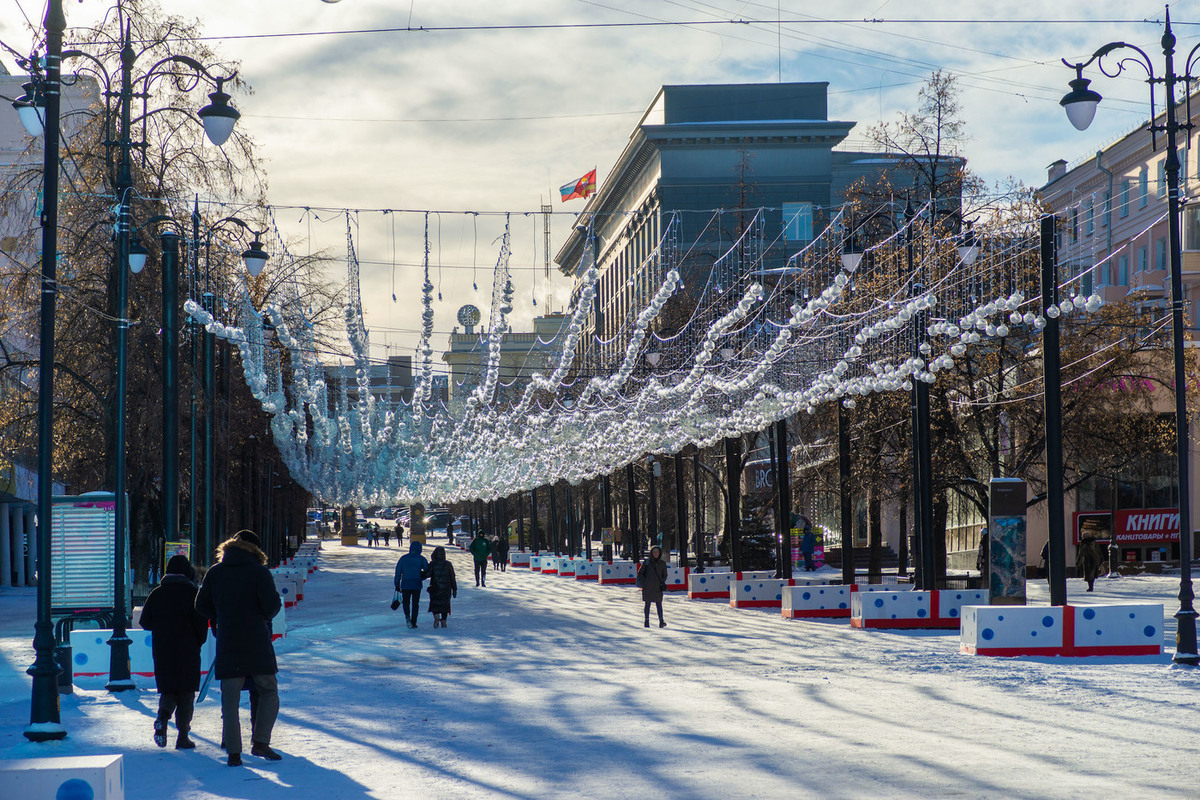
875,532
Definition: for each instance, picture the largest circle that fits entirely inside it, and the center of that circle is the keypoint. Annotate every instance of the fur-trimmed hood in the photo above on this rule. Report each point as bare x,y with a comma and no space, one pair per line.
236,549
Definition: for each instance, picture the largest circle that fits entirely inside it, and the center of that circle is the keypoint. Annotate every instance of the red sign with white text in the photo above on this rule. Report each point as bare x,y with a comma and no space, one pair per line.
1147,525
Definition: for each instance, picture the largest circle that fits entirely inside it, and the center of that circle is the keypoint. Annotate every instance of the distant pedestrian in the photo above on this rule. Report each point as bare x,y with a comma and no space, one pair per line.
239,596
387,537
480,549
442,586
808,544
1043,570
652,578
177,631
399,533
371,535
983,557
1089,559
411,572
450,530
500,553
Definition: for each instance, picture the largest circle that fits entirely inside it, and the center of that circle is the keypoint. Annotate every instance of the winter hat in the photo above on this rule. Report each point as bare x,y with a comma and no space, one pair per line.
439,553
249,537
659,549
179,565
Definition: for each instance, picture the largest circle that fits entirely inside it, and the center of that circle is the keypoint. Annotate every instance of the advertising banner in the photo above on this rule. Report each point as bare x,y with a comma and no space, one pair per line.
1133,525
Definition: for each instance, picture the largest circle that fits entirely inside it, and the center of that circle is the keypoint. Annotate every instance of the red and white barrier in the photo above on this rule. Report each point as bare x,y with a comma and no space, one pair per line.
911,609
816,602
758,593
677,578
715,584
588,569
617,573
519,558
1071,631
91,653
104,776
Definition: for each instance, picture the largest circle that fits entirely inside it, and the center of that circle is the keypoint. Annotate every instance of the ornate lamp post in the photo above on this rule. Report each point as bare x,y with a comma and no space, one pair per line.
218,119
1080,104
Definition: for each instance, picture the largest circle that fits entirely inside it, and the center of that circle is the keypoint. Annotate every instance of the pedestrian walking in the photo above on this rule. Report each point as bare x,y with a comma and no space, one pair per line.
371,535
1089,558
239,596
442,586
808,544
450,530
177,631
411,571
387,537
1043,570
500,553
480,549
652,579
983,561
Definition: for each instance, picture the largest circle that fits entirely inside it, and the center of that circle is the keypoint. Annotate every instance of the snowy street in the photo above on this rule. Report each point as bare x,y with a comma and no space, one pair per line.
547,687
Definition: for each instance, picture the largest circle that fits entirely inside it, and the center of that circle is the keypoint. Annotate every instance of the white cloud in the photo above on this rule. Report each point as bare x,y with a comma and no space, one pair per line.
571,96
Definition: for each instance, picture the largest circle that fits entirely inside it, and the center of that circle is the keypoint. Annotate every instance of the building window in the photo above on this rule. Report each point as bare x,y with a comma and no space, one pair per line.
1143,187
1160,253
1162,178
1183,167
798,222
1143,255
1124,200
1191,227
1074,225
1103,273
1107,211
1123,270
1090,223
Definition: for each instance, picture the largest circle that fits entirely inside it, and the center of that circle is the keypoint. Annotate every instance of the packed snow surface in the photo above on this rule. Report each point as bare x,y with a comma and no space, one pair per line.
548,687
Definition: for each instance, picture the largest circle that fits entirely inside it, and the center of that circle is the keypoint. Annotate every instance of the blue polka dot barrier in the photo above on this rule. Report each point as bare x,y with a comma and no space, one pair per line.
90,653
715,583
549,565
588,569
758,592
519,558
567,566
812,601
912,609
677,578
99,777
289,591
1070,631
617,573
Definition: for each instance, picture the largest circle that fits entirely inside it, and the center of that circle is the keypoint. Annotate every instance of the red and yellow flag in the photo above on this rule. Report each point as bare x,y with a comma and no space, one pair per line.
584,187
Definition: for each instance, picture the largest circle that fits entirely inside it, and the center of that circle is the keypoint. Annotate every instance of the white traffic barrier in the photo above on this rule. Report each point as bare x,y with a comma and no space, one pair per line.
97,777
1072,631
91,653
758,593
617,573
550,565
677,579
566,566
588,569
520,558
289,591
826,601
715,582
911,609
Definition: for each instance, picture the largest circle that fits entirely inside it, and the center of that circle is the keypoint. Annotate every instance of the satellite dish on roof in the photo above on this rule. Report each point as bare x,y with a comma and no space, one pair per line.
468,317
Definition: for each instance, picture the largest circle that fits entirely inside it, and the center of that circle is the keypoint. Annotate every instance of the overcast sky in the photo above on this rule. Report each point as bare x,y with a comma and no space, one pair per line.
496,119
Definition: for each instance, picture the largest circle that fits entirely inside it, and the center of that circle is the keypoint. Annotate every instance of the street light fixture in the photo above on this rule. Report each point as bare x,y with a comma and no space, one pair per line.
1080,104
118,108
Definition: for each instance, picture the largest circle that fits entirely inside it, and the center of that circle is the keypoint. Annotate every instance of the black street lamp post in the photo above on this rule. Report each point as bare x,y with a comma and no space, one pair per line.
218,119
1080,104
44,711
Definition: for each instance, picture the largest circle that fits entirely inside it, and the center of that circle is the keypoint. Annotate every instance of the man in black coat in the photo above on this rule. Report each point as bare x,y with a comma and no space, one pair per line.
178,631
239,596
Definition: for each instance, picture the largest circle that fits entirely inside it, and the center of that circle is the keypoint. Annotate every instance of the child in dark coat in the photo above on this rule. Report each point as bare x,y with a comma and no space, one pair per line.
178,631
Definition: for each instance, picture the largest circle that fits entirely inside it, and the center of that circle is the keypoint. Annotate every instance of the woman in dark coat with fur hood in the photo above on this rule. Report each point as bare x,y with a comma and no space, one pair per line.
442,586
178,631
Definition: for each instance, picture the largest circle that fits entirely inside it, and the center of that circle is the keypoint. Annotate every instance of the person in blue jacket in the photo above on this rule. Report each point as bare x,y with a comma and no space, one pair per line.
411,572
